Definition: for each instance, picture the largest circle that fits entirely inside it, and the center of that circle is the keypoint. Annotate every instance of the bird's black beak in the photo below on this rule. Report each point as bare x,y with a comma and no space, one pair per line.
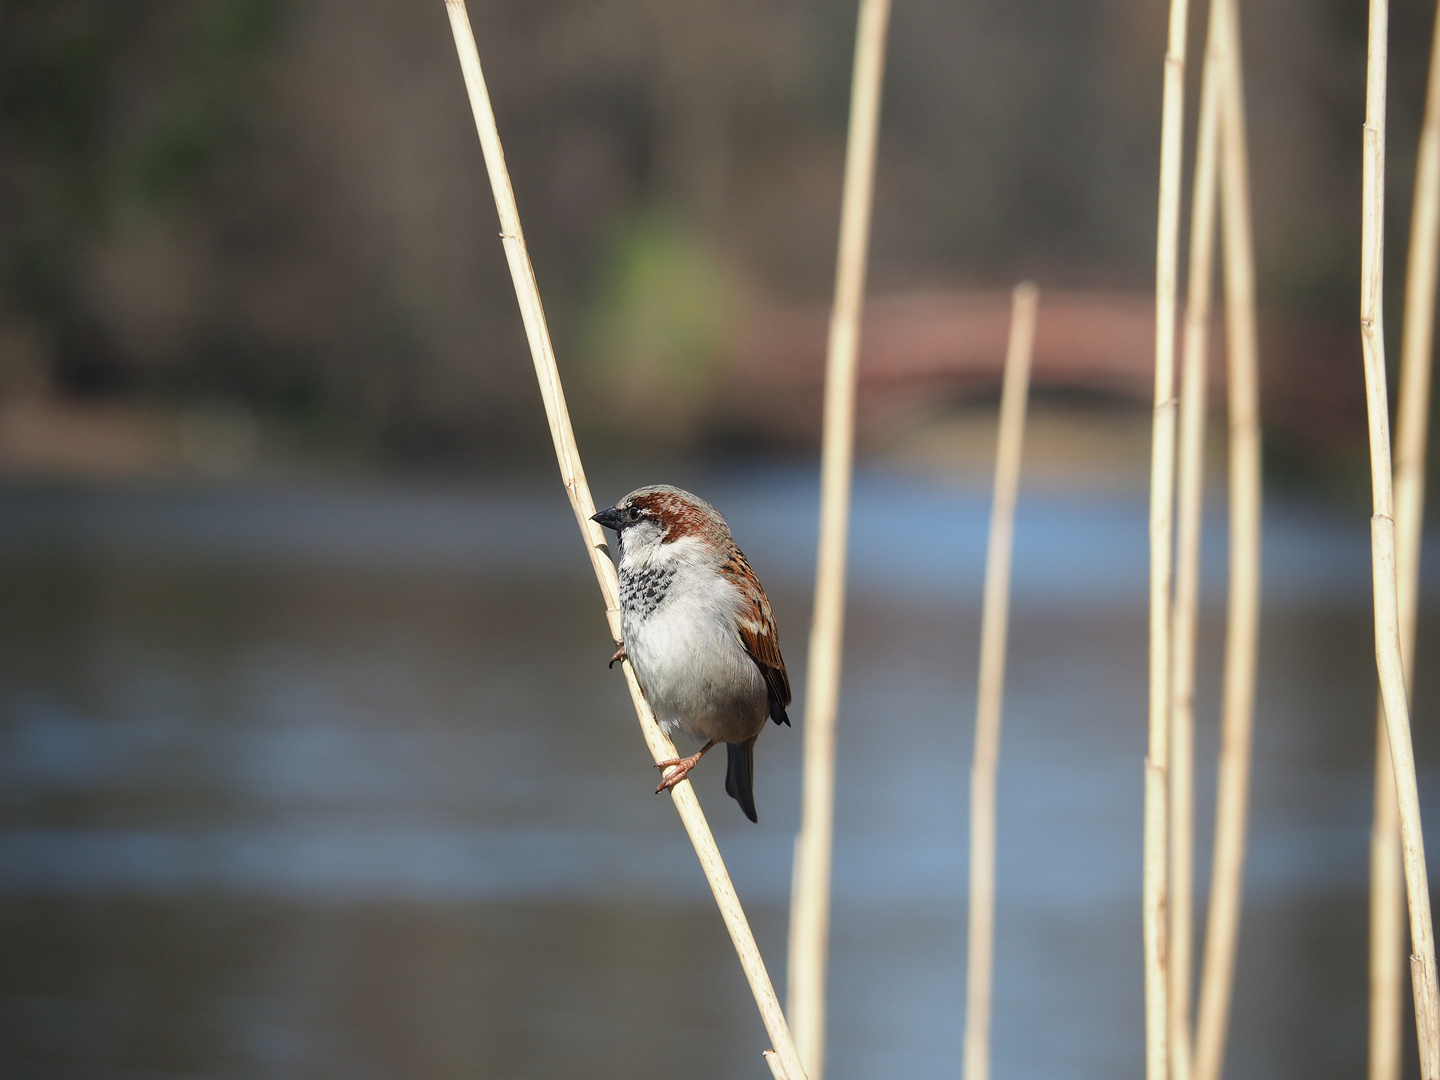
608,518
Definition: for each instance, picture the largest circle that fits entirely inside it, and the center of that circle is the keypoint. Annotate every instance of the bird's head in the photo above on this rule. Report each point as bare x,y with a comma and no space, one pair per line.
650,517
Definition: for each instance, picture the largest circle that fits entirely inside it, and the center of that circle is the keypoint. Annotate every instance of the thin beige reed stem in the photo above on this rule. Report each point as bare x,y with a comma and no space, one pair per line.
994,626
1388,656
1162,497
1387,902
810,891
573,474
1387,917
1189,507
1237,706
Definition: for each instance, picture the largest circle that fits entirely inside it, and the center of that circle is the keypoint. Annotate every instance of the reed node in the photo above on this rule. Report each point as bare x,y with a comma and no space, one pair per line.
783,1060
810,890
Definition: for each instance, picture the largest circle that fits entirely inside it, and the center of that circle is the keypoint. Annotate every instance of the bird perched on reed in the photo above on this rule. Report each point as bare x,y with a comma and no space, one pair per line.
698,631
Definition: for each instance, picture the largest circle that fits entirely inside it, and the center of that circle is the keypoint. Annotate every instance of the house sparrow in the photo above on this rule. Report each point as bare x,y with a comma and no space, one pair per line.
698,631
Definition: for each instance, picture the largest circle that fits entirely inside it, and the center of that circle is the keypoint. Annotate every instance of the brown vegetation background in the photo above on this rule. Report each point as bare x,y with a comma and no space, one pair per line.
279,208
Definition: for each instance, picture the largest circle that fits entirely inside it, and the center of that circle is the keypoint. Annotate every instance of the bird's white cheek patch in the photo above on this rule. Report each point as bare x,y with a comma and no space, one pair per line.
641,542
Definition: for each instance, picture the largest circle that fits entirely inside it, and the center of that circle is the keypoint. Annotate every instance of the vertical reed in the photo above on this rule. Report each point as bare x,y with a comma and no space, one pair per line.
994,623
1388,657
1412,422
810,893
1189,513
1387,916
1162,495
1237,707
783,1060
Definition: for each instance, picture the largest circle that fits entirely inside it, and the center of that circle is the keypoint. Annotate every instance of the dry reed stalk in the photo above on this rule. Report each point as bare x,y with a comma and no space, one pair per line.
1387,902
1162,495
994,623
784,1061
1389,661
1387,918
1189,518
810,891
1237,708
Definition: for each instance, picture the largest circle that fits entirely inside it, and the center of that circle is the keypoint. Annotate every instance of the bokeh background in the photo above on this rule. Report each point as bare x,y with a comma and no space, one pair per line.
310,765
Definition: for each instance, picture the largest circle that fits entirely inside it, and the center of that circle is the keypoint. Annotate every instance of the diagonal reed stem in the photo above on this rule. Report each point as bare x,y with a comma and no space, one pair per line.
1387,914
1237,708
1388,657
994,625
783,1060
810,891
1162,496
1387,897
1189,519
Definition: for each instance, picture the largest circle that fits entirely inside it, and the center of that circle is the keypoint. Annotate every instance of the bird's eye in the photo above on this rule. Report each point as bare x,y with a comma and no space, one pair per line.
632,514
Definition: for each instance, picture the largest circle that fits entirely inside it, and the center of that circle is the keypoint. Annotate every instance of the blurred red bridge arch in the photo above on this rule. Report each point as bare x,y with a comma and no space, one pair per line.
947,347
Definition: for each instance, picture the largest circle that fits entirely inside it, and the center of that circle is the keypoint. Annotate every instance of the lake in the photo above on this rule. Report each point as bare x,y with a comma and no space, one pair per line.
304,779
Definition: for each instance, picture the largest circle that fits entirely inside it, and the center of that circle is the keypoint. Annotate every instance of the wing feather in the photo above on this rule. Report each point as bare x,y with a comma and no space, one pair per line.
756,627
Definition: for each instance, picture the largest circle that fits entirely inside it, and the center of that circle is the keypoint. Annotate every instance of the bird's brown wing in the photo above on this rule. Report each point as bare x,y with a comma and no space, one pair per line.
758,635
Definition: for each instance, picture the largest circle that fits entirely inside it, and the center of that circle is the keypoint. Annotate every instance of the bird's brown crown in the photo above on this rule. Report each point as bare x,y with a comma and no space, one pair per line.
680,513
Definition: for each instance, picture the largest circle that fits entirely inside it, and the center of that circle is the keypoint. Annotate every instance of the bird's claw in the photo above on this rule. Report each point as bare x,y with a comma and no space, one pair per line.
682,767
620,654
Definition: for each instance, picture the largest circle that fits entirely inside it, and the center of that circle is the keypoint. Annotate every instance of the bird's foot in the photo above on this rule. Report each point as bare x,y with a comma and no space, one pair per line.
682,767
620,654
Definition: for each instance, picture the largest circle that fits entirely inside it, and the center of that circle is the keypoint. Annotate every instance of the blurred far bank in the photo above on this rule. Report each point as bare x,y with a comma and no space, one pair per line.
246,234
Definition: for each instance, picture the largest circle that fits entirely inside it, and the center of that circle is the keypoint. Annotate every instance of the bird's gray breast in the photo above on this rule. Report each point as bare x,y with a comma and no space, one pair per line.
679,626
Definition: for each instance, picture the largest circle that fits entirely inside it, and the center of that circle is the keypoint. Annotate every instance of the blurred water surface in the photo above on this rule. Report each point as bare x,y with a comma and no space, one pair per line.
315,781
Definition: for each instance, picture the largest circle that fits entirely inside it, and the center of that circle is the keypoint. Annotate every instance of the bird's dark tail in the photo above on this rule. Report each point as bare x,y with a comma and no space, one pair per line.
740,775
